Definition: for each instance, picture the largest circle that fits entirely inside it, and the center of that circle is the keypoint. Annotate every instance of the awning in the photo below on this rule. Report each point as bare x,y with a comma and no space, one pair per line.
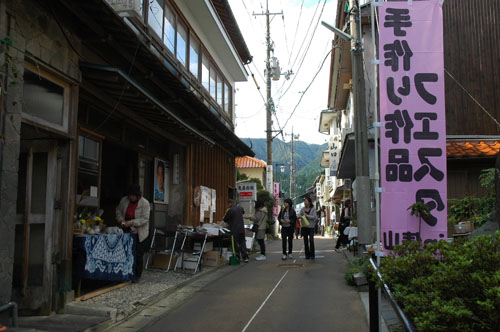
113,82
347,163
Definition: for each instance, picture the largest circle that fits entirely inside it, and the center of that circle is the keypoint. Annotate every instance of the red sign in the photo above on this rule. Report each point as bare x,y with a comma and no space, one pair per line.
246,194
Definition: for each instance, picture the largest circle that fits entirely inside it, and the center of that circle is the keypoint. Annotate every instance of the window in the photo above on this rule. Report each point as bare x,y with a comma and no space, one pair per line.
181,42
219,90
89,153
226,98
45,100
169,30
194,49
155,16
205,72
213,82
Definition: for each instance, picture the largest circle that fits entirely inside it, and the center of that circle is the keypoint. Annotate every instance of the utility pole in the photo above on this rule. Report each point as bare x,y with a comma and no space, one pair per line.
292,168
269,121
360,130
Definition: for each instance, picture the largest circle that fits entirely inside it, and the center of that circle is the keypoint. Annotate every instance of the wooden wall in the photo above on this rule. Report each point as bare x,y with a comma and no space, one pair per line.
463,176
209,166
472,56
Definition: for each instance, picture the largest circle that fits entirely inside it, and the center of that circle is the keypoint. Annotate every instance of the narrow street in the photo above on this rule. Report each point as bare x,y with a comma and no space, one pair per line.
267,296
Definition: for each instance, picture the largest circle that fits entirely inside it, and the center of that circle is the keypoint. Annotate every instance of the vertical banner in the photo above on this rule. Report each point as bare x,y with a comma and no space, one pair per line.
412,108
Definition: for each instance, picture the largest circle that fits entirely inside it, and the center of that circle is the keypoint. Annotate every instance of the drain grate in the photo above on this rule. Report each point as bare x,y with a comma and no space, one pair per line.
290,266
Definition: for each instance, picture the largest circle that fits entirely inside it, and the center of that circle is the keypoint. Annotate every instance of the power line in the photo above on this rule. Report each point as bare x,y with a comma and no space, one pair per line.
304,92
305,53
474,99
295,34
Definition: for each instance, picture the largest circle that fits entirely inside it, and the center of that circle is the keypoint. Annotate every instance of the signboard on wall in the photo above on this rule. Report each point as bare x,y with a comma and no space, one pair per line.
247,191
160,181
412,106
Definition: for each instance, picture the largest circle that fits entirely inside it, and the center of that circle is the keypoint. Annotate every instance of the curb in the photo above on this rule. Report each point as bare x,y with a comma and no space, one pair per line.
146,302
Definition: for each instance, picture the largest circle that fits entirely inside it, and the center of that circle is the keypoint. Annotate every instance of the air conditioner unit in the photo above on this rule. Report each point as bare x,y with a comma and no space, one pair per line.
126,8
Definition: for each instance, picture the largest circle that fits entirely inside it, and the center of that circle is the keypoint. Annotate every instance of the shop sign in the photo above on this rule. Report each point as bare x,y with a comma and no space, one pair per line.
247,191
412,108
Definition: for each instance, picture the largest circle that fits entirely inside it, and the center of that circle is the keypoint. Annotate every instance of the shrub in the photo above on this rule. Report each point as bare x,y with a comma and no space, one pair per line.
360,264
448,286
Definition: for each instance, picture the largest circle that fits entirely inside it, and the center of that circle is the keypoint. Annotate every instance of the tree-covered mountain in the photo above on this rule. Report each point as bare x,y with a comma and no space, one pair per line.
307,159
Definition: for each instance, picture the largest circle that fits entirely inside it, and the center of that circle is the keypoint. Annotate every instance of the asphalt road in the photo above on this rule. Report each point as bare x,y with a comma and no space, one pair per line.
274,295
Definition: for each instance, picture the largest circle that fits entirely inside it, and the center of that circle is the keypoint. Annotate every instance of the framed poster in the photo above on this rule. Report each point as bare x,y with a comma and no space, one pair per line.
160,187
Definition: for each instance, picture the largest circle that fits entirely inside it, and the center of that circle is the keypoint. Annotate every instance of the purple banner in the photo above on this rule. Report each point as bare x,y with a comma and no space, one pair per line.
412,108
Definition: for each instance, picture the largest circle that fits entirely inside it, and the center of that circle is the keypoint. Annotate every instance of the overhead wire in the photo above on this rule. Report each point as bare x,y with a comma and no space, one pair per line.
307,88
296,72
295,34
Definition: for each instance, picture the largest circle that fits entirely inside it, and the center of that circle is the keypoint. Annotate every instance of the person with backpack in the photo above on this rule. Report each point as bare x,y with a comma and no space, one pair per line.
309,212
287,218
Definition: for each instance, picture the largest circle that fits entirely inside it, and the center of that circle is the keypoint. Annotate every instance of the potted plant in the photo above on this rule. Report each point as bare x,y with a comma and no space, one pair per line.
420,210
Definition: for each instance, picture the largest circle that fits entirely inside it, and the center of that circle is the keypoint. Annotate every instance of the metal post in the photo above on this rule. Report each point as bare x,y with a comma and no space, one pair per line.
269,122
377,168
360,130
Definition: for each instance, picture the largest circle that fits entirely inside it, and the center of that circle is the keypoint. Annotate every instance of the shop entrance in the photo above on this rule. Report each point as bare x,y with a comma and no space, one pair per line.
38,220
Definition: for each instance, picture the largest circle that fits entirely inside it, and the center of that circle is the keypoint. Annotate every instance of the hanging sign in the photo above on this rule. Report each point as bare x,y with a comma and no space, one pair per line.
412,106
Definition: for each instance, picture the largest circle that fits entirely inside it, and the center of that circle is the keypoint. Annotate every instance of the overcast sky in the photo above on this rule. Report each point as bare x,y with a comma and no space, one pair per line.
292,38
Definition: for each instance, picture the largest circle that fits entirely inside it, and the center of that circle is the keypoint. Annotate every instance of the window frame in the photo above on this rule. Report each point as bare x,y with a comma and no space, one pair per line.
64,127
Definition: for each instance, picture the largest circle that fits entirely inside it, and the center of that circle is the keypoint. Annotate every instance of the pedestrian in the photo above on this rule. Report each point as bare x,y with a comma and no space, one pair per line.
297,227
234,218
345,219
260,221
308,231
287,218
132,214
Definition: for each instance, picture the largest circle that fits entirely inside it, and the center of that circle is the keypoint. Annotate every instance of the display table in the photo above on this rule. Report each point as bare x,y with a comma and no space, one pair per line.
104,257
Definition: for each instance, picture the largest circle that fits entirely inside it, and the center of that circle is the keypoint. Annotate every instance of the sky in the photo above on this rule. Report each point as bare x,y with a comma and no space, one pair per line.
301,46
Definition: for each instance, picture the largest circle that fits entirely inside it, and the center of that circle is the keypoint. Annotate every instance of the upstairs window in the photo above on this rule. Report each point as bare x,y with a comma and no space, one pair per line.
169,30
155,16
181,43
226,97
205,72
213,82
194,58
219,90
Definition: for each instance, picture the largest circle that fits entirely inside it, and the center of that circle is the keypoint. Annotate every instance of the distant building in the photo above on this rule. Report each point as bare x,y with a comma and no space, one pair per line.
252,167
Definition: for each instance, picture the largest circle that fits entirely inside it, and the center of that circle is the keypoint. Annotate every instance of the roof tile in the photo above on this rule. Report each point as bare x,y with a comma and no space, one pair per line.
472,149
249,162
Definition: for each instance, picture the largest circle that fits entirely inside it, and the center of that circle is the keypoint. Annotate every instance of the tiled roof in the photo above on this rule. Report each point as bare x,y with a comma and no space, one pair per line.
472,149
249,162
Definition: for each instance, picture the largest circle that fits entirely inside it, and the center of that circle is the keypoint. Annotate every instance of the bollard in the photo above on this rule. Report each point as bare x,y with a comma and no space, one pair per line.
373,301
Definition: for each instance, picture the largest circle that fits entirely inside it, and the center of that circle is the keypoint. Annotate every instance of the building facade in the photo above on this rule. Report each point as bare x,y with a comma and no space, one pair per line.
98,95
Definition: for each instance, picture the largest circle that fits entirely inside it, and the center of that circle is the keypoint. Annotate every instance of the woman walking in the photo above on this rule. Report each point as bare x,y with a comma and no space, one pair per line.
308,231
260,220
287,219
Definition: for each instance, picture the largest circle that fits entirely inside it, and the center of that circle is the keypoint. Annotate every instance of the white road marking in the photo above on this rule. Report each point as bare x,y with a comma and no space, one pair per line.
268,297
263,303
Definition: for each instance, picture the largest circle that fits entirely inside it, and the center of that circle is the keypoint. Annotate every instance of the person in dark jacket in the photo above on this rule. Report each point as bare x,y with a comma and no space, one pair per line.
234,217
287,219
345,219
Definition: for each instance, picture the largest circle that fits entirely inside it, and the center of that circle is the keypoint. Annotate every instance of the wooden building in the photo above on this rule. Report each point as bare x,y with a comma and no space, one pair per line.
100,96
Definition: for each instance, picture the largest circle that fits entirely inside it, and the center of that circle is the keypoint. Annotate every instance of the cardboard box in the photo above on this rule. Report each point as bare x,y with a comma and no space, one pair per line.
160,260
212,258
209,246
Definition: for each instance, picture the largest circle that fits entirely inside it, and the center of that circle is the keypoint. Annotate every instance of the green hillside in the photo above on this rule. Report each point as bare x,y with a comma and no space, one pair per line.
306,158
